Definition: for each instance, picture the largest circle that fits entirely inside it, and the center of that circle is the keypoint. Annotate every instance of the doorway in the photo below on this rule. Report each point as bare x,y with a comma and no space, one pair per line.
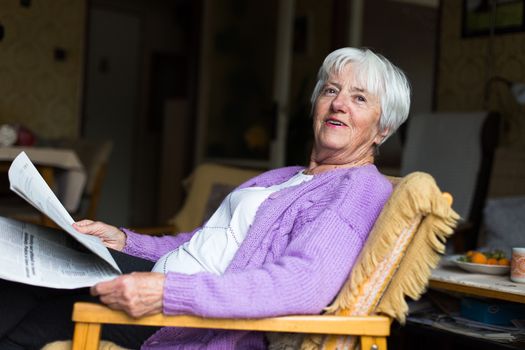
111,96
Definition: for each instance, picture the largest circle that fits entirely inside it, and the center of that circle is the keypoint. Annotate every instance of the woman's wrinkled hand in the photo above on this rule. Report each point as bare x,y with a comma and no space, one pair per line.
111,236
138,294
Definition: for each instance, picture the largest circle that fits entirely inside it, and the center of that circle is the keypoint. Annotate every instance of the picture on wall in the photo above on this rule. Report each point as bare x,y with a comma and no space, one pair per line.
483,17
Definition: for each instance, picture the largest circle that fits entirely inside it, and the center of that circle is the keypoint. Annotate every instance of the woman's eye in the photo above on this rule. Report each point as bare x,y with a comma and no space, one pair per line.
329,91
360,98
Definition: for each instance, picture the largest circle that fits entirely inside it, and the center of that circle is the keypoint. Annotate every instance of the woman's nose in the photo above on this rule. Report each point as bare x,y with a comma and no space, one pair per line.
339,104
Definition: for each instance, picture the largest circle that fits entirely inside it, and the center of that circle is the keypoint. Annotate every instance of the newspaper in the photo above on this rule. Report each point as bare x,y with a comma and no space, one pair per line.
47,257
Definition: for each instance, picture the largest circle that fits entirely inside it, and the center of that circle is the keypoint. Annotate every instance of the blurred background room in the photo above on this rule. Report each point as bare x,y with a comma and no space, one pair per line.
123,99
169,84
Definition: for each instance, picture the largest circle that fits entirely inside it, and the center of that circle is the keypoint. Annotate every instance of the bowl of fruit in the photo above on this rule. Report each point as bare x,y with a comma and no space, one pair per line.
490,262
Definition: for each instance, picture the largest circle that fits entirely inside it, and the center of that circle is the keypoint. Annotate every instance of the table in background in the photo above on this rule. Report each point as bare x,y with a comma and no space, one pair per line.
60,168
450,278
454,279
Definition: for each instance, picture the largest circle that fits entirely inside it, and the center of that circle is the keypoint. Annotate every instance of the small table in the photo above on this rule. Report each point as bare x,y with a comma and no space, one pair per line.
452,278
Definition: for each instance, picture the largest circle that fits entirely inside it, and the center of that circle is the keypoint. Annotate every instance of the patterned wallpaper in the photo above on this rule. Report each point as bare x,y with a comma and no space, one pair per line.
36,89
466,64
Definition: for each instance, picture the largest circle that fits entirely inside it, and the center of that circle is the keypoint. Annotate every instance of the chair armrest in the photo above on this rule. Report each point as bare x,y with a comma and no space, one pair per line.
348,325
89,318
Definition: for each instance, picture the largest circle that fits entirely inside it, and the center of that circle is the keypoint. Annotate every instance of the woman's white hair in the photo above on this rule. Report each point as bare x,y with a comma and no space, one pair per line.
376,75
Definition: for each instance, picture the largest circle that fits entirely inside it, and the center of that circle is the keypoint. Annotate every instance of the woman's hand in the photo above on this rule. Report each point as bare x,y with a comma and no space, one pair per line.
138,294
111,236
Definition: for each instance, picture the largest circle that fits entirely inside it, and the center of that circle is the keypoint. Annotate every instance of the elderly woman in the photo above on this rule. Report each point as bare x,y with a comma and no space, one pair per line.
282,243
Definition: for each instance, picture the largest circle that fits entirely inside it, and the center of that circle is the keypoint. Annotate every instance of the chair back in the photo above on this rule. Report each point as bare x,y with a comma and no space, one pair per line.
457,149
207,186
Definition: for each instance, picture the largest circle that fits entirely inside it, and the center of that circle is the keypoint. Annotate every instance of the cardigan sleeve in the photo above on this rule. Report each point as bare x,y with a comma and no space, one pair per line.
302,281
153,247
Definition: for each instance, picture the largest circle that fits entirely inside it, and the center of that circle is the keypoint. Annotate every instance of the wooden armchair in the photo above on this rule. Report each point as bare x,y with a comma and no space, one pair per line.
206,187
403,247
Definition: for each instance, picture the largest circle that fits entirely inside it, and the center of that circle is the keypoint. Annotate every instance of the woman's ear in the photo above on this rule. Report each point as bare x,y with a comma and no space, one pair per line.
381,136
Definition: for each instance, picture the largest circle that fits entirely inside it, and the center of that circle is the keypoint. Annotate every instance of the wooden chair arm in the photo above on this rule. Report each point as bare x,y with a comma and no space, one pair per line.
89,317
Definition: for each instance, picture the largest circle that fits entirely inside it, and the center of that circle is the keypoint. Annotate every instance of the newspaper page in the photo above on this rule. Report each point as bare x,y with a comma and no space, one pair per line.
26,181
47,257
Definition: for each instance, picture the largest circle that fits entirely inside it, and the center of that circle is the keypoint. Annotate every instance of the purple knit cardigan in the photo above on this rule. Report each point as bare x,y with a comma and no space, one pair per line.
295,258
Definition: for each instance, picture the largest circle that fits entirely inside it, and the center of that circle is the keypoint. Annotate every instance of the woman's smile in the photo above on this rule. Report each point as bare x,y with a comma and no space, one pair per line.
334,122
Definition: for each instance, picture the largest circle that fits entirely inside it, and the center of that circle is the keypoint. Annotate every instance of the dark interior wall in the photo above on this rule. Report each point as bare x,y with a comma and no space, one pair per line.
241,59
167,31
161,39
404,33
111,96
315,29
41,65
407,35
170,46
466,64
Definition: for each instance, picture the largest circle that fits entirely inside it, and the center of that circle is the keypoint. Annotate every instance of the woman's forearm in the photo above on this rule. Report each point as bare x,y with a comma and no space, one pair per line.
153,247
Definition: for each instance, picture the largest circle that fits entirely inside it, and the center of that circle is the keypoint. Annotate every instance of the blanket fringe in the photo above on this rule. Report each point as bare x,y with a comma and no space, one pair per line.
416,195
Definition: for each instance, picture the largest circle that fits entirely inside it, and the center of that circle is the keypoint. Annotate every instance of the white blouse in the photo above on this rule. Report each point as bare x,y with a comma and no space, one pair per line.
212,248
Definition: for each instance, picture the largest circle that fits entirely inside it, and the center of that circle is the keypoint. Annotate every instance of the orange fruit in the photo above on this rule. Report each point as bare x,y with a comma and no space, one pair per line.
504,262
492,261
478,258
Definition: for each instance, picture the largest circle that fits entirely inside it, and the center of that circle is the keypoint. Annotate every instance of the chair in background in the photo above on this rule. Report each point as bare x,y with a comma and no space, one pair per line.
13,206
403,247
94,156
89,155
206,187
457,149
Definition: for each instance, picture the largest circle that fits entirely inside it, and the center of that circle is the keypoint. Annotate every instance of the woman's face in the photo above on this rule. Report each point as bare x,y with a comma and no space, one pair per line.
346,121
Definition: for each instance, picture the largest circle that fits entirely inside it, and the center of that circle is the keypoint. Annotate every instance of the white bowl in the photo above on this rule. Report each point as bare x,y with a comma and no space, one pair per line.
483,268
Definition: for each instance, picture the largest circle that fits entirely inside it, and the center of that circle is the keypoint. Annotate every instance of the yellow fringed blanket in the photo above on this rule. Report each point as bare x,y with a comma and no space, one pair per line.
405,244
